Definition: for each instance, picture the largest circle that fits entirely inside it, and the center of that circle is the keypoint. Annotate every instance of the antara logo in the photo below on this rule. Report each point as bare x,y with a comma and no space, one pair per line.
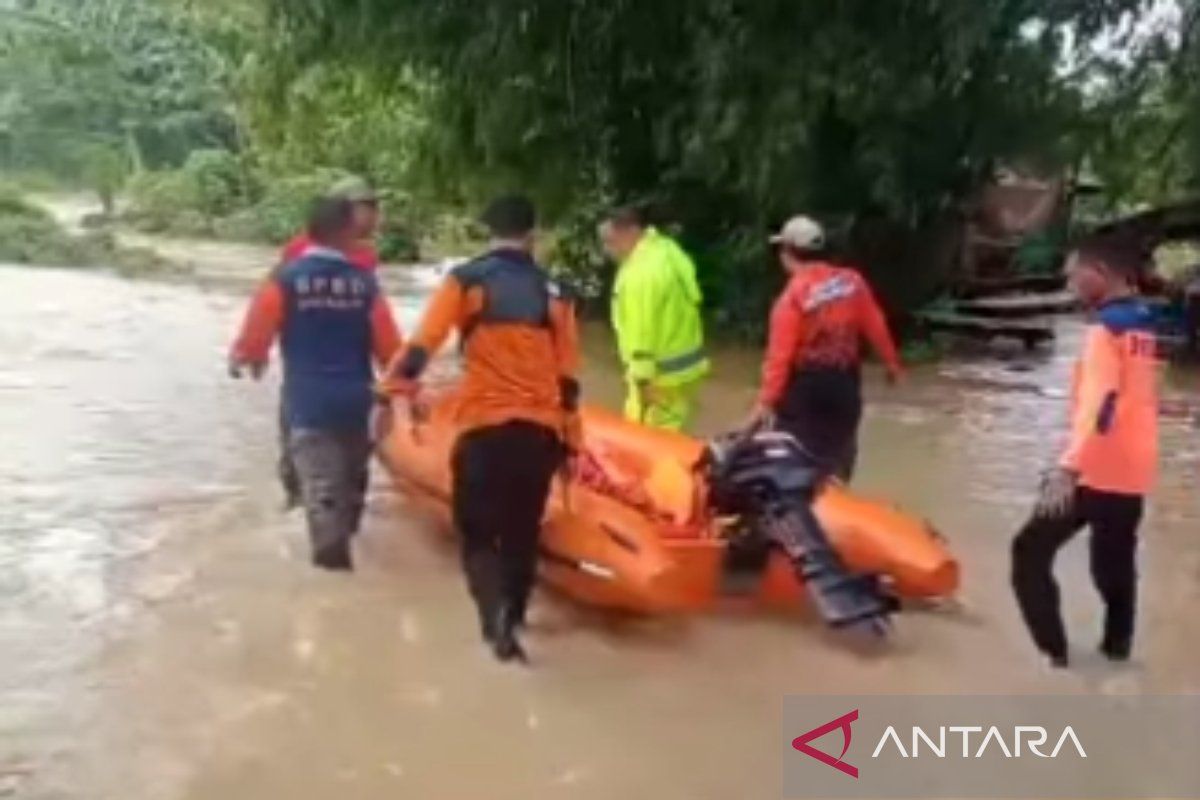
1033,737
801,743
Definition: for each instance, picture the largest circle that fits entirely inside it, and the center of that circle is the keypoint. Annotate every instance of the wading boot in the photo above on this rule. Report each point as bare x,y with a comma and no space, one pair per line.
1115,650
334,557
505,644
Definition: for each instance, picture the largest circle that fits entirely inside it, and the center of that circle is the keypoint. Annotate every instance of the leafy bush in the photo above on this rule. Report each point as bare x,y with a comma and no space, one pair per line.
574,255
32,181
284,204
397,243
214,194
156,199
13,205
190,223
243,226
104,168
41,241
186,201
28,235
218,184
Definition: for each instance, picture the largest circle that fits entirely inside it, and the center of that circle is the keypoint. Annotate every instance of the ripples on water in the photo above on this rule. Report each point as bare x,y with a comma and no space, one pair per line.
163,637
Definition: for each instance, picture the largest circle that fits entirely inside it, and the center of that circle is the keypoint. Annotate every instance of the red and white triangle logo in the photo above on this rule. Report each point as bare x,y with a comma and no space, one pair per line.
801,743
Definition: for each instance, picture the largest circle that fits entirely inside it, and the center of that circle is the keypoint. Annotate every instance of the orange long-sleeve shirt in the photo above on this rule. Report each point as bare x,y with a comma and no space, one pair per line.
820,320
512,370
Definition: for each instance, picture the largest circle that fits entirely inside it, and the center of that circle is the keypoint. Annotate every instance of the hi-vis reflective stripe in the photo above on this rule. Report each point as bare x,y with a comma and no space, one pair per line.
680,363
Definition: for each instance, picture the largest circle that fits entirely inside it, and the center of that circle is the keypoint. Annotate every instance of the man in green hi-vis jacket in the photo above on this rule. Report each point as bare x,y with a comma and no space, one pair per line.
656,317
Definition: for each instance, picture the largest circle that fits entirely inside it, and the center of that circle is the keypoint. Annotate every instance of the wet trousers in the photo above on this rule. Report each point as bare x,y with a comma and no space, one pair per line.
1114,520
286,467
672,409
502,476
333,468
822,408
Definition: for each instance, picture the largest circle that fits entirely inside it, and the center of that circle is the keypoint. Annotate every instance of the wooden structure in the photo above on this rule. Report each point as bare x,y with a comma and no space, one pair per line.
1019,305
1016,222
1005,213
1029,333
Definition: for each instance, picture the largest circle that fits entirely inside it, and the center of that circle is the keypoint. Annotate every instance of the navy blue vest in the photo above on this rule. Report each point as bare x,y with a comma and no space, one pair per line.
326,341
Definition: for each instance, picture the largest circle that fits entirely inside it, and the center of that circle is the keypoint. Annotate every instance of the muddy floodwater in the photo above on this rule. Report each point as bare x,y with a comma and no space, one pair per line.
163,638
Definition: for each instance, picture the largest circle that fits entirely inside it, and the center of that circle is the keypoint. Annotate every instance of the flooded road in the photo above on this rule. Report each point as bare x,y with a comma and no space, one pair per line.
163,636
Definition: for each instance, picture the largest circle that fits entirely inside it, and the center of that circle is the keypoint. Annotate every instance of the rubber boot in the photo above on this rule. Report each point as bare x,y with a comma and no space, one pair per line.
1116,650
505,644
334,557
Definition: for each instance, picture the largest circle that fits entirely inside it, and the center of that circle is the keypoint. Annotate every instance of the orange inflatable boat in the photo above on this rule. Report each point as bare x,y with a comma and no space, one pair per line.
631,530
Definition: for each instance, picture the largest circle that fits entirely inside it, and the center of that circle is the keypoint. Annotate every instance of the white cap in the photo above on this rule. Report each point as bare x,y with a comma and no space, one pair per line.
801,232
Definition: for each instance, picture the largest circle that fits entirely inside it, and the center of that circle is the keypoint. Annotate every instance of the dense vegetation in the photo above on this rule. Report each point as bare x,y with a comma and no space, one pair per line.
30,235
98,89
723,115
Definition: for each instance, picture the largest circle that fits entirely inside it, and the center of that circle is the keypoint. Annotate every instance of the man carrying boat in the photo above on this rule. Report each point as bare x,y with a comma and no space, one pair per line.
812,373
516,404
656,317
332,320
1108,466
362,254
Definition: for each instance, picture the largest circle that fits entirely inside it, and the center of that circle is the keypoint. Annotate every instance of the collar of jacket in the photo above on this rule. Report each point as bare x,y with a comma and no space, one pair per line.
510,253
650,236
321,251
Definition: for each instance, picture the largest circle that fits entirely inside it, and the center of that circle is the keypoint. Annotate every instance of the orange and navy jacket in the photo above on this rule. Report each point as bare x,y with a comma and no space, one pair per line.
1114,402
518,338
331,318
819,322
363,256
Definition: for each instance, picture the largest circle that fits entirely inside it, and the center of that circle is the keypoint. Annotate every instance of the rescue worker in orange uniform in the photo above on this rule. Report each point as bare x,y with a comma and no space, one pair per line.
812,375
332,320
519,399
1110,462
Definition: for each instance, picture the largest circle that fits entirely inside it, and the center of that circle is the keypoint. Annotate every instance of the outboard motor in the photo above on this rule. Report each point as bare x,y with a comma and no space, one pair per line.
770,481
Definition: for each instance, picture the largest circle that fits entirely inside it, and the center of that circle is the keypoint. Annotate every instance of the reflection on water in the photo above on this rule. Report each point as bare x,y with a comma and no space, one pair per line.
163,637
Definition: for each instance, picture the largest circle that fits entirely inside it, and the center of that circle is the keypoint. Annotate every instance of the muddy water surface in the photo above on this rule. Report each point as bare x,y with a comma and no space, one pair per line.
162,637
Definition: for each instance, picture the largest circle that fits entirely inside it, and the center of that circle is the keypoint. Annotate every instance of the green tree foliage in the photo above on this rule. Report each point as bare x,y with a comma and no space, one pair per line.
1143,132
106,74
103,168
729,114
29,235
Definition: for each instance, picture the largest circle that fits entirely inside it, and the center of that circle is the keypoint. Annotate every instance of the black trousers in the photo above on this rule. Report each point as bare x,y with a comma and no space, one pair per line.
502,478
1114,520
822,408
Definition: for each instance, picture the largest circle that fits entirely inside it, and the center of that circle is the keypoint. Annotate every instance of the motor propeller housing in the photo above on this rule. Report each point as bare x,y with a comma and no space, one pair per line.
769,480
